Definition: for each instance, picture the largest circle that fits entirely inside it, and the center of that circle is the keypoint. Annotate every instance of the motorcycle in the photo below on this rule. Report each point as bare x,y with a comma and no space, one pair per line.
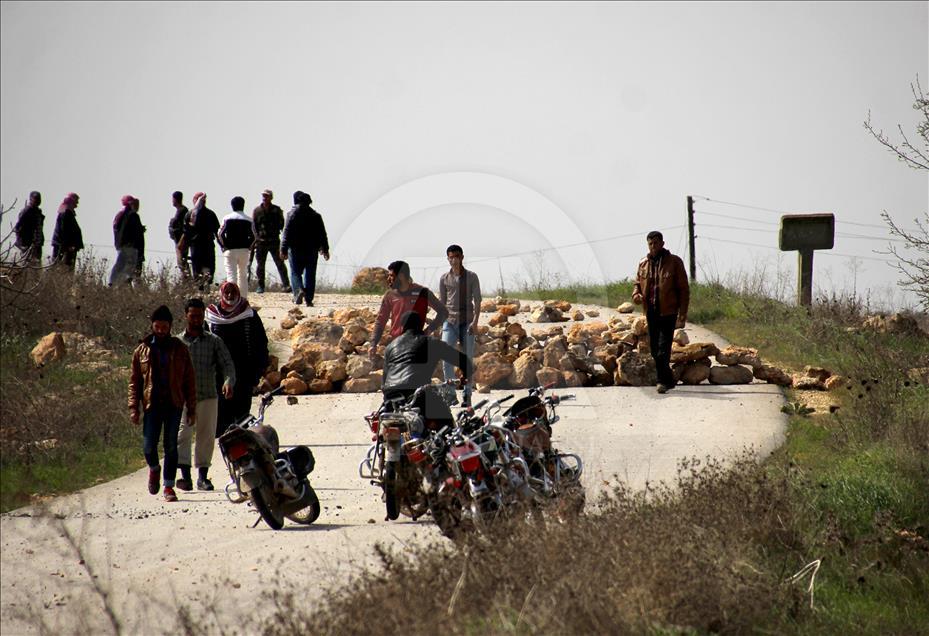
275,482
391,462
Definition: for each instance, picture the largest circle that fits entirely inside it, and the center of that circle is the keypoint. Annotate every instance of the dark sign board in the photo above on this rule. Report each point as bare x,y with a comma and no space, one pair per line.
807,232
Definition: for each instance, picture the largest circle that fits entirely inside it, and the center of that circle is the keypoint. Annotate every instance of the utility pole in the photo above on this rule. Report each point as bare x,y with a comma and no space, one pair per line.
690,230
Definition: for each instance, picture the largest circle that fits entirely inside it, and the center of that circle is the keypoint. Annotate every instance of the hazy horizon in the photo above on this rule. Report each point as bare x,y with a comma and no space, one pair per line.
508,128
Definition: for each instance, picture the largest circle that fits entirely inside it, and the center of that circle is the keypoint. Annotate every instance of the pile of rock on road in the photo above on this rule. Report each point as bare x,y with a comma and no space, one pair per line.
331,354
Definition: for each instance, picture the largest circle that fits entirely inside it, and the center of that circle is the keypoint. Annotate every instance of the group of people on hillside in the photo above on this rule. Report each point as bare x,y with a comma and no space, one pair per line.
297,239
175,395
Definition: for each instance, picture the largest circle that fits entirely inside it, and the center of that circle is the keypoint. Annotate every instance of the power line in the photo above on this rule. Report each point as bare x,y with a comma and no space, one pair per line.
818,252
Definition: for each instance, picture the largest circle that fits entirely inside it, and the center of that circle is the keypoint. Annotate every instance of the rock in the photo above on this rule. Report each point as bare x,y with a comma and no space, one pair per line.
320,385
635,369
600,375
554,349
607,358
315,352
294,386
640,326
773,375
324,331
547,376
273,363
539,315
550,332
695,372
370,279
895,323
816,372
804,382
356,333
333,370
358,366
586,332
297,362
497,319
681,337
577,315
573,378
288,323
273,378
367,384
488,306
627,337
561,305
834,382
296,313
524,373
346,346
626,308
491,369
508,310
515,330
49,349
593,313
345,316
735,374
739,355
493,345
693,352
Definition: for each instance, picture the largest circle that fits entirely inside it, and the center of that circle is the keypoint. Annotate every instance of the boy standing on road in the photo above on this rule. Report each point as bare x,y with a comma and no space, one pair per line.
211,359
161,384
662,288
460,293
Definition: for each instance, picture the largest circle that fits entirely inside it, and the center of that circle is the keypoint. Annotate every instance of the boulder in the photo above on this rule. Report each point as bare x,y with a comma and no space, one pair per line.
739,355
50,348
694,372
358,366
586,332
577,315
273,378
626,308
370,279
816,372
681,337
607,357
547,376
491,369
515,330
734,374
524,373
508,310
561,305
554,349
315,352
497,319
772,375
346,346
593,313
288,323
834,382
356,333
601,376
635,369
488,306
296,313
692,352
332,370
367,384
273,363
320,385
895,323
493,345
324,331
573,378
294,386
640,326
550,332
803,382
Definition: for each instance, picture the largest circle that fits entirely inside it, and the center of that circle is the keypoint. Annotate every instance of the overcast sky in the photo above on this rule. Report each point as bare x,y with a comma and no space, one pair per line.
507,128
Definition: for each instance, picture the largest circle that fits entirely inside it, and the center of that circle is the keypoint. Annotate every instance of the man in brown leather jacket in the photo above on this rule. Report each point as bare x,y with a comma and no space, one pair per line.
661,286
161,383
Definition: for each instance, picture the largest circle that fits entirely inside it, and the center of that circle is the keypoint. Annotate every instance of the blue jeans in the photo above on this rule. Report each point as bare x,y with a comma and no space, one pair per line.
158,419
303,273
458,336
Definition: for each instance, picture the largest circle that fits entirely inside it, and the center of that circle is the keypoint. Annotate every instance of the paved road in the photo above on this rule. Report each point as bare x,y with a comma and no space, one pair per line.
203,550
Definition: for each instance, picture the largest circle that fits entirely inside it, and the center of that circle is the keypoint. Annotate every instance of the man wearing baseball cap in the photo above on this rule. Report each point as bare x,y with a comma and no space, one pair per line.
269,221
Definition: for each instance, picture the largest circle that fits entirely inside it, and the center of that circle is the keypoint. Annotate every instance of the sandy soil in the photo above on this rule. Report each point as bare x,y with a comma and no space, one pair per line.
204,551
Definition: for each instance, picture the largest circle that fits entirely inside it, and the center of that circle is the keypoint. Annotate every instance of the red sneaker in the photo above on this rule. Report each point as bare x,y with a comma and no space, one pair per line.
169,494
153,480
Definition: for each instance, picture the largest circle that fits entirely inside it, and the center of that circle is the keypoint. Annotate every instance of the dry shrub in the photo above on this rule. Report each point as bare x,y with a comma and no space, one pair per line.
694,554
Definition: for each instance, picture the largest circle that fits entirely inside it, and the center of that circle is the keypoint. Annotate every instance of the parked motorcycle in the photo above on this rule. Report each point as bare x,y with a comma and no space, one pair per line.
275,482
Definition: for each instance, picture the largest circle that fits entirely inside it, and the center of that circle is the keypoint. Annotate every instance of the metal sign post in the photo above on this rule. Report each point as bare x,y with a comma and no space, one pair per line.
805,233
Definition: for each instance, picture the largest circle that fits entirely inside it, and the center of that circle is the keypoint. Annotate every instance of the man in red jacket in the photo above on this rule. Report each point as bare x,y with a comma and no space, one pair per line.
662,288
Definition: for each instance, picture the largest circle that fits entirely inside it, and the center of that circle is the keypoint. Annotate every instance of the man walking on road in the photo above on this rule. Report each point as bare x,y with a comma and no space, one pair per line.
460,293
236,238
200,228
269,222
662,288
404,295
161,384
211,360
303,241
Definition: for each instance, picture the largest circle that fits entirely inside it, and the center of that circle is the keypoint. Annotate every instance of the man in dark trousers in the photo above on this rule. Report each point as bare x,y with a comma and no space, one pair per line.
662,288
269,222
176,231
303,241
200,230
67,239
30,230
129,240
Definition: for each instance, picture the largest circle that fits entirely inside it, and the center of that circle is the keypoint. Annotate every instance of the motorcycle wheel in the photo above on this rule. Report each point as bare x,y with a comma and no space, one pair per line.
268,511
310,513
390,491
446,512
